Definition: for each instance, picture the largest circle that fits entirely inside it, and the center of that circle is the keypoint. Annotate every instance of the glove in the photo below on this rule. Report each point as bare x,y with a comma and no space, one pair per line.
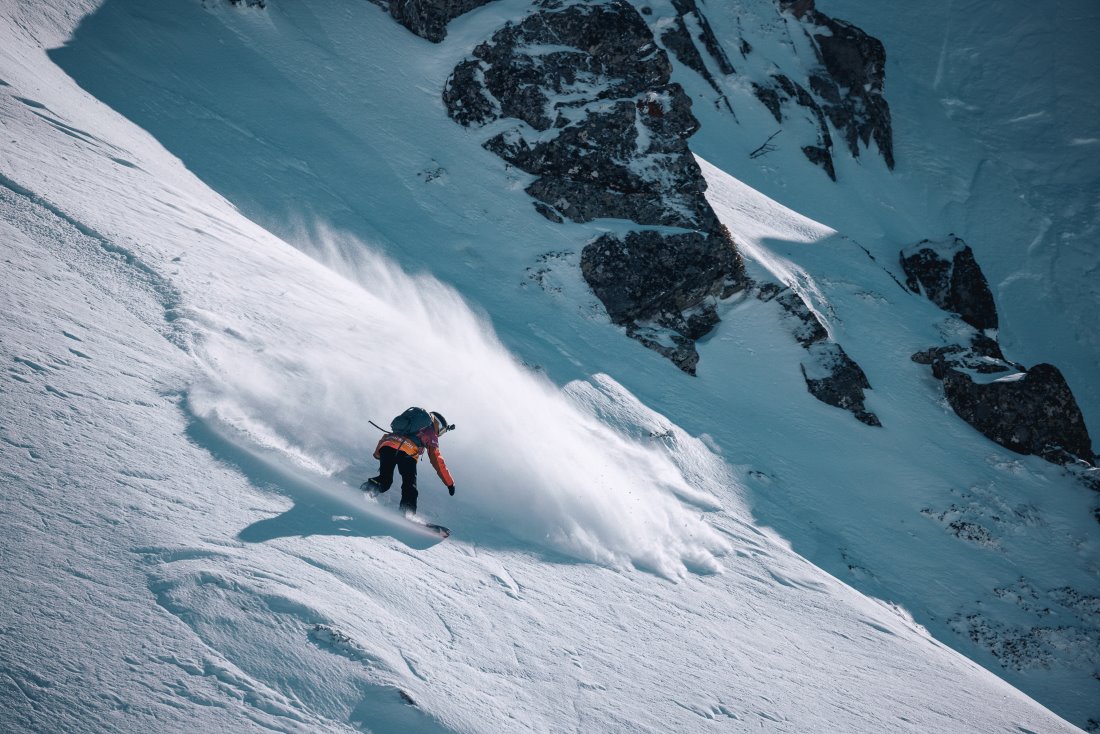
451,489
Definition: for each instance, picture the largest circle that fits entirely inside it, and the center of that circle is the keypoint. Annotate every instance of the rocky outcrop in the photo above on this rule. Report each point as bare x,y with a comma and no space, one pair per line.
831,375
662,288
604,130
783,90
950,277
846,88
677,38
1030,411
428,18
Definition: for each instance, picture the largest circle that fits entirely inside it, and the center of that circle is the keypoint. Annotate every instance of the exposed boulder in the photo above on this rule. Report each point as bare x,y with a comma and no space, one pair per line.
1030,411
835,379
951,278
604,130
428,18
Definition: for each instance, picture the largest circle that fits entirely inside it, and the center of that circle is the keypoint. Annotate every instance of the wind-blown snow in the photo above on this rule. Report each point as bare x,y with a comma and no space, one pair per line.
533,463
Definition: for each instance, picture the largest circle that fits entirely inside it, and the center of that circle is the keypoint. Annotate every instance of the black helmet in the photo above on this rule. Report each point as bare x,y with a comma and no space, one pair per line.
441,425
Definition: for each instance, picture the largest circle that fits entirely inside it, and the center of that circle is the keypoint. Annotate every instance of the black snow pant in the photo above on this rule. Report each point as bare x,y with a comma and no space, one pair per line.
389,458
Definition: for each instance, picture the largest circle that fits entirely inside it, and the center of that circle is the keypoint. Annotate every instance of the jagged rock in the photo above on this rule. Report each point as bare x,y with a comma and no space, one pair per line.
428,18
646,274
592,169
783,90
831,375
685,8
847,88
951,278
677,38
604,130
650,282
835,379
806,327
821,156
466,95
769,97
1031,412
852,89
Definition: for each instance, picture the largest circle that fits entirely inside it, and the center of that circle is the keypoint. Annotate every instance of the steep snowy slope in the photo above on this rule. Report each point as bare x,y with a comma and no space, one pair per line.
185,390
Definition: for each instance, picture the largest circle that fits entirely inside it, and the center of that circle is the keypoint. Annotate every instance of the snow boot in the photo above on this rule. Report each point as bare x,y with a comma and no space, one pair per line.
372,486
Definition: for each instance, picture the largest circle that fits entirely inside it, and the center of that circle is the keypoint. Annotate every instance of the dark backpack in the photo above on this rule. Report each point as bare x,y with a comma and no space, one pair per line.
411,422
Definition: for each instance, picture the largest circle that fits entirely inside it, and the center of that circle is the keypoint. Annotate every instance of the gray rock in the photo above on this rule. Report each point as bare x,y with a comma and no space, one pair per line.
1031,412
951,278
428,18
660,285
831,375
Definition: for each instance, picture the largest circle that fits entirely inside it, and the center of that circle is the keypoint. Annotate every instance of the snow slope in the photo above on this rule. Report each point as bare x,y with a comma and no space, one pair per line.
185,391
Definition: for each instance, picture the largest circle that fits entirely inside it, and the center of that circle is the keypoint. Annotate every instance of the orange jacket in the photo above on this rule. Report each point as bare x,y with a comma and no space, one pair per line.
410,447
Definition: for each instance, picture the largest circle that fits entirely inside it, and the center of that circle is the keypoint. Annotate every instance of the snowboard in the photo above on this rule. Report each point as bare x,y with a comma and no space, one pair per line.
372,492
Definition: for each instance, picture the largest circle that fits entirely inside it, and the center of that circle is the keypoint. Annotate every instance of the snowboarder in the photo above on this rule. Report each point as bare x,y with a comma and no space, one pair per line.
411,433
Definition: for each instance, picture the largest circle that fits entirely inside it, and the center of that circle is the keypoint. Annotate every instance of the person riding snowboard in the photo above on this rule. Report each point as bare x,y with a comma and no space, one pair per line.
411,433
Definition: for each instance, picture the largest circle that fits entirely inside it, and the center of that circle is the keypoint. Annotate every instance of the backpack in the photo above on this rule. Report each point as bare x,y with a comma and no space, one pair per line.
411,422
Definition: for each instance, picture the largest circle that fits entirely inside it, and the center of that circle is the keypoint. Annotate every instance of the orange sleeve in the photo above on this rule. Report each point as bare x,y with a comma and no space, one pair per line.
440,466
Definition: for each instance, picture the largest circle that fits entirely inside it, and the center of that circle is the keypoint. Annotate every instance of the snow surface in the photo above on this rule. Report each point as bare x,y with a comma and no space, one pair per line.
208,291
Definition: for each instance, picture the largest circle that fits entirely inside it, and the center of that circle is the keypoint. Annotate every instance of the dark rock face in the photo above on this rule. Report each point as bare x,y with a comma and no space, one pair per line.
1030,411
831,375
951,278
847,89
841,382
670,281
852,90
605,131
428,18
